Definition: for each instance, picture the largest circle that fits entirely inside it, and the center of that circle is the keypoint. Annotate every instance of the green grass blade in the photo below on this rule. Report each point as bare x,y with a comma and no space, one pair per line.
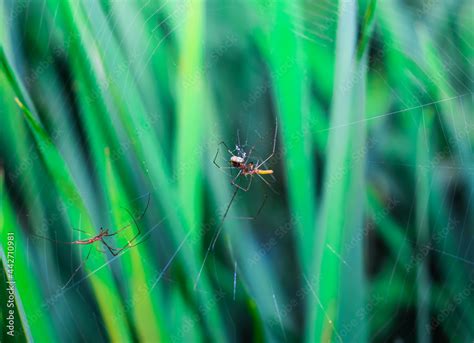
28,298
342,293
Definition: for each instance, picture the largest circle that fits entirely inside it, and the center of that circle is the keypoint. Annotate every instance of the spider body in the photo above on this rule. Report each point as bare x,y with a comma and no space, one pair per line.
239,160
248,168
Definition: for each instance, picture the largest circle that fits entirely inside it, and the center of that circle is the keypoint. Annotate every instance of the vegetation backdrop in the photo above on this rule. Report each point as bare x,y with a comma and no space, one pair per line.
366,229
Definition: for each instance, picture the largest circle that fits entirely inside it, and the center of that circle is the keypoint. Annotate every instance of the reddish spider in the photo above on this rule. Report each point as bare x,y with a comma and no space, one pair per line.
240,160
249,168
101,237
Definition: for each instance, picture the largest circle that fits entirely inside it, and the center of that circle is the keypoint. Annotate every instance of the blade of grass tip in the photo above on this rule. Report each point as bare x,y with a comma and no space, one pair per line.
147,320
29,301
107,296
342,293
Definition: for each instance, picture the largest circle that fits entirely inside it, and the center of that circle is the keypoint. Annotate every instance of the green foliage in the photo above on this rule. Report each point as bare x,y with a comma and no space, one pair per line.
366,227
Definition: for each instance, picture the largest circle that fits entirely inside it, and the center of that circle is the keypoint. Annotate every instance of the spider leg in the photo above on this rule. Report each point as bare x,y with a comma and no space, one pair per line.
218,232
99,250
273,178
133,218
77,269
116,251
266,160
249,154
240,187
271,175
113,251
147,236
235,184
81,231
268,184
261,206
215,159
257,213
52,240
226,147
146,207
249,184
214,239
236,177
128,245
119,230
274,145
142,241
259,165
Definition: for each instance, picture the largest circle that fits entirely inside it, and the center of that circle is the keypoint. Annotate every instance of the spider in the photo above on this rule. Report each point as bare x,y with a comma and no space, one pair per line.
101,237
240,160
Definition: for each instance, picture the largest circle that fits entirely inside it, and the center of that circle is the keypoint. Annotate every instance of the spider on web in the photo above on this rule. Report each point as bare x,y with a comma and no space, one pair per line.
100,237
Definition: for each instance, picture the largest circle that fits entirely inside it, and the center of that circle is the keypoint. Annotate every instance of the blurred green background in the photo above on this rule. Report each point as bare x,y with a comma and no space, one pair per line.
368,235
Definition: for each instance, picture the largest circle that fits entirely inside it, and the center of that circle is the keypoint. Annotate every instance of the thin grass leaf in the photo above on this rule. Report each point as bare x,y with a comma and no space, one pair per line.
341,294
29,301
